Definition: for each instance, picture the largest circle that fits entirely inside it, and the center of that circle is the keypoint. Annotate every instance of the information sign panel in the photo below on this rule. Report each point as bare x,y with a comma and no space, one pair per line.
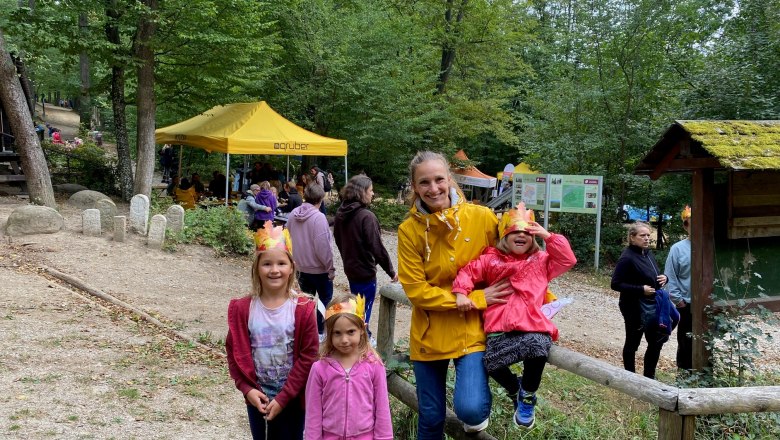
530,189
577,194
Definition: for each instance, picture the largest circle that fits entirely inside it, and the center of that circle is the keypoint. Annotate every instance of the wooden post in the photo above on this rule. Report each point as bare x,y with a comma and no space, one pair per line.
670,425
385,328
702,260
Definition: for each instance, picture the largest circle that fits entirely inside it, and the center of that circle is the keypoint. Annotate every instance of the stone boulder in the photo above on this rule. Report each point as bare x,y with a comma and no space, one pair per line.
69,188
33,219
86,199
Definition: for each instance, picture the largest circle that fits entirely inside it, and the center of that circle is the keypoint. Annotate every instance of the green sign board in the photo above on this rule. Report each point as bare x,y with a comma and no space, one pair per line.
530,189
574,193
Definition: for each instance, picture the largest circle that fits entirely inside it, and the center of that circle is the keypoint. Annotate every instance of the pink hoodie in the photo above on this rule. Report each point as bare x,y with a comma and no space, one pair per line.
528,274
310,235
348,406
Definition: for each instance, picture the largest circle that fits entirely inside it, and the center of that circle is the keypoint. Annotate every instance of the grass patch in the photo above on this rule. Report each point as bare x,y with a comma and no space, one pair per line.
73,418
21,414
129,393
49,378
14,427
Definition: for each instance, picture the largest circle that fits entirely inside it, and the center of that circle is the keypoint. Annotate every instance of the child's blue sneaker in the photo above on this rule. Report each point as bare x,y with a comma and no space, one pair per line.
524,416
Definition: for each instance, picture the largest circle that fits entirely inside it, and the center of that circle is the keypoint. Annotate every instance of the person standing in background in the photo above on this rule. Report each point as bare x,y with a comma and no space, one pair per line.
678,270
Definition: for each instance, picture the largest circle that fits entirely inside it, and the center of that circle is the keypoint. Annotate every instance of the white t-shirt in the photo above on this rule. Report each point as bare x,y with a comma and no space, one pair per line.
271,334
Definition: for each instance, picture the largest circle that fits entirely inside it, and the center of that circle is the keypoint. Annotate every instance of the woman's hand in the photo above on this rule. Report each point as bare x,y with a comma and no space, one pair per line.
537,230
272,410
258,399
496,293
662,279
463,303
649,290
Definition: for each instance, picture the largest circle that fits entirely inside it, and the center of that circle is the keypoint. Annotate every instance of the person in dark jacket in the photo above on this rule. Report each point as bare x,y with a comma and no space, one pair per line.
294,199
637,277
357,235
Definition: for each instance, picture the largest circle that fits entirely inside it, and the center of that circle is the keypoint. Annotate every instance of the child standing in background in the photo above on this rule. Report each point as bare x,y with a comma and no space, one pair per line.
346,395
517,330
272,341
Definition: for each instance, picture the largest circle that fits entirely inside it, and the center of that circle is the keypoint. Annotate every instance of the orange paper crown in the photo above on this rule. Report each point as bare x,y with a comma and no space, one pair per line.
270,237
686,213
516,219
355,307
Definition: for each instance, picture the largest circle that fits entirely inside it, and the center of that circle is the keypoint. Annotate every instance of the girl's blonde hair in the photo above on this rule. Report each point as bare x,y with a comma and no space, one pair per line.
503,244
265,185
425,156
364,347
257,283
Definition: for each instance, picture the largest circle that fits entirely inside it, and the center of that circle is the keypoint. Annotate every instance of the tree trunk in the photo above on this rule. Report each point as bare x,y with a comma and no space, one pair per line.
448,49
85,103
118,105
27,144
146,105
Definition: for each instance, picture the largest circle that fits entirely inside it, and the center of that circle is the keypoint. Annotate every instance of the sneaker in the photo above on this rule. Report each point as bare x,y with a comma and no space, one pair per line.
524,416
322,338
473,429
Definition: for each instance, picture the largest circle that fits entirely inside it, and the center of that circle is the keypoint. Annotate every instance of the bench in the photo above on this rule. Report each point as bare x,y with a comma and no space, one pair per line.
12,178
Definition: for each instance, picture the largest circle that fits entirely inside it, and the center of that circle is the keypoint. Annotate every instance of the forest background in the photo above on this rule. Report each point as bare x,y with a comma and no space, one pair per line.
569,87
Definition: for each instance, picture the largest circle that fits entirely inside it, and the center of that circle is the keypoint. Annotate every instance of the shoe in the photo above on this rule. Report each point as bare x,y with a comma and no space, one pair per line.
322,338
473,429
524,416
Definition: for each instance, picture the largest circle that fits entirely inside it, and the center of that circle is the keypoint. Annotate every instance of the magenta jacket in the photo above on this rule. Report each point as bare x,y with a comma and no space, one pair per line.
348,406
239,349
528,274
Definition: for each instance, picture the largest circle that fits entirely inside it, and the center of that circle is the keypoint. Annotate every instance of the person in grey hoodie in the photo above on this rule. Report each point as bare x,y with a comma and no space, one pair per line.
310,235
359,239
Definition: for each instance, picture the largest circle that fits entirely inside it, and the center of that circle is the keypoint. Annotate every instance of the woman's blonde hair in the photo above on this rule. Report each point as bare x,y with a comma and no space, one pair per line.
425,156
257,283
364,347
503,244
265,184
634,229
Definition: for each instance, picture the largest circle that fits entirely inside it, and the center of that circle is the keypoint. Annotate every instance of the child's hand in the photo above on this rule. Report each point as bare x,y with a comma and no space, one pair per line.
463,303
258,399
272,410
537,230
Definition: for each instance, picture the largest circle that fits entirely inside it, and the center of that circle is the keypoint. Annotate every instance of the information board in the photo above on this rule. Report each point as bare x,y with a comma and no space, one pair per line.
578,194
530,189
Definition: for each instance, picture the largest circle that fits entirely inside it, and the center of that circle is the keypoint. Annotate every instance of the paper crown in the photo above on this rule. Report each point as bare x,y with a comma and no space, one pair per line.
686,213
356,306
270,237
516,219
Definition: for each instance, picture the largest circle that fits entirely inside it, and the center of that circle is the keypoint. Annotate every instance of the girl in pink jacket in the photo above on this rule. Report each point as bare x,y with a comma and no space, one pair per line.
517,330
346,395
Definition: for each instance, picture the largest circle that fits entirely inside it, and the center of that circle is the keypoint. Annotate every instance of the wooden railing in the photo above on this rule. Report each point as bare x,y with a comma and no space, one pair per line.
678,407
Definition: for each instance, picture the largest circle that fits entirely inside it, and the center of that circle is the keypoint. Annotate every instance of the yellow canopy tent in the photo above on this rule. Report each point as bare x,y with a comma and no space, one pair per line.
249,128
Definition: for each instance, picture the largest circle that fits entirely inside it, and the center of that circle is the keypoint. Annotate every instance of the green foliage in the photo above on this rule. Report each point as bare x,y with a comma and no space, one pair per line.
580,230
86,165
222,228
389,213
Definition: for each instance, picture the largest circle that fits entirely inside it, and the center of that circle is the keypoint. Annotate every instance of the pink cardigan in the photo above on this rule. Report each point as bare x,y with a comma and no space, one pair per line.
239,349
528,274
348,406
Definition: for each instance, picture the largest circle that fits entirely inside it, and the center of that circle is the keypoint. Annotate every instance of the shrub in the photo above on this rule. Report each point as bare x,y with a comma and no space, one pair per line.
580,230
222,228
389,214
86,165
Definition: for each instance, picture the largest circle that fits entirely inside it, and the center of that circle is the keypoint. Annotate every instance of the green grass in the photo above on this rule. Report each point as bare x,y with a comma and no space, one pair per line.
129,393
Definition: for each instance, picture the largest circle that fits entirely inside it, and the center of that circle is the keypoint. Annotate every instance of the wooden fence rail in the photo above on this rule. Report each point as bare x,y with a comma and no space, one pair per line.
677,407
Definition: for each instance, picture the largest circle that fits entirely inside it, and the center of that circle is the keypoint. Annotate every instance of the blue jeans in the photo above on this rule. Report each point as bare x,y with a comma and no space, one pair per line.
319,283
368,290
471,399
288,424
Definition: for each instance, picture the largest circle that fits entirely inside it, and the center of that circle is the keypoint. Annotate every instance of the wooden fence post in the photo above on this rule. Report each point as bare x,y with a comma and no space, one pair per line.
386,328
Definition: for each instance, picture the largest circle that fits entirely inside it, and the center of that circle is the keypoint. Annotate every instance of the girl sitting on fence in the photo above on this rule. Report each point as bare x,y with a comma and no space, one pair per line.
517,330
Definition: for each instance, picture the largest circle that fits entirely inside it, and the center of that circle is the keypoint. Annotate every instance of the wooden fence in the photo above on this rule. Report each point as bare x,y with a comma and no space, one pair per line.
678,407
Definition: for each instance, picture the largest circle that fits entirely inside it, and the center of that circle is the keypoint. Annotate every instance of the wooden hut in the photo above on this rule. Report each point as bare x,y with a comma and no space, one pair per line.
735,167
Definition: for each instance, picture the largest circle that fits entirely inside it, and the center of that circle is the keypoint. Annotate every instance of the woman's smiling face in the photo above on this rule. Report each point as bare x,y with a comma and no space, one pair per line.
432,183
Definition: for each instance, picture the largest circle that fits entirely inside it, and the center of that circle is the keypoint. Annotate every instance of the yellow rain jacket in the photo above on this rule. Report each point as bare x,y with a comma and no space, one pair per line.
431,249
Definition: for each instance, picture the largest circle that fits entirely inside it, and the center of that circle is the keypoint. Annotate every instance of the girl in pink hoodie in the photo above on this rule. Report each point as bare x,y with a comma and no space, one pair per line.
517,330
346,395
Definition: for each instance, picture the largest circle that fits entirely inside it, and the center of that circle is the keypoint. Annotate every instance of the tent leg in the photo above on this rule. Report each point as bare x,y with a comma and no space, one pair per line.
181,151
346,174
227,179
288,169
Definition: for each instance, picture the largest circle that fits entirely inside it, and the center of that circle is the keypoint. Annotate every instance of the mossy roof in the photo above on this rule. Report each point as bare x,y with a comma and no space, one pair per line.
751,145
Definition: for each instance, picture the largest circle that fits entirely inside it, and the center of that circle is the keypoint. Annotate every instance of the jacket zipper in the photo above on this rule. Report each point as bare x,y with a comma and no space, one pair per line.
346,401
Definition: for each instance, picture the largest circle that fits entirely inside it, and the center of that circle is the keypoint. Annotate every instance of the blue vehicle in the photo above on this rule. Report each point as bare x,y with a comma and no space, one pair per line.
631,213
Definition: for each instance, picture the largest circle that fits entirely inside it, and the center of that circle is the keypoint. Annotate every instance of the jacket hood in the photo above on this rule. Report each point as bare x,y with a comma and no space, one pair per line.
347,210
304,212
448,217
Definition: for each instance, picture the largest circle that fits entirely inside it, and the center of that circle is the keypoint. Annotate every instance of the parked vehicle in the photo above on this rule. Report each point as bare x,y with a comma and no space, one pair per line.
631,213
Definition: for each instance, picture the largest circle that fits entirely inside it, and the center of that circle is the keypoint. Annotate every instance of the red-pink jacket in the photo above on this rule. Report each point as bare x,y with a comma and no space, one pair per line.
528,274
348,406
239,349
